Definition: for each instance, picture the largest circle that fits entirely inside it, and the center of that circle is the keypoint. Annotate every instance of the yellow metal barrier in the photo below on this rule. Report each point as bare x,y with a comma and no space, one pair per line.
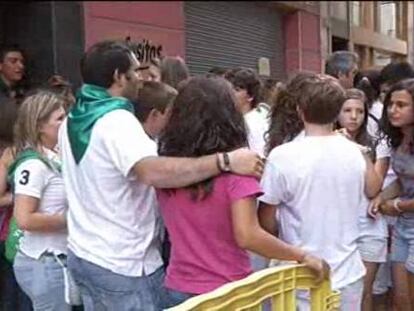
277,283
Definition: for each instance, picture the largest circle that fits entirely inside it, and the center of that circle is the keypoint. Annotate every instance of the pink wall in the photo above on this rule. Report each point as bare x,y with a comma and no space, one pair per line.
160,22
302,42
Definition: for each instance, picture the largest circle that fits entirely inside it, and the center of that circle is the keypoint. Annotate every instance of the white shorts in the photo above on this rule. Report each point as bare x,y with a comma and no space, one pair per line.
373,249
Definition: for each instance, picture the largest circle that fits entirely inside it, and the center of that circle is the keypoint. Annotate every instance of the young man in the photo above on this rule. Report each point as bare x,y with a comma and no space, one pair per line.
343,65
110,167
316,184
12,69
247,86
152,71
153,107
153,110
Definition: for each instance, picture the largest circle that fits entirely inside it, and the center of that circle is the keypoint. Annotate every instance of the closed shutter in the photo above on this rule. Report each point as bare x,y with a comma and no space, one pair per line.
232,34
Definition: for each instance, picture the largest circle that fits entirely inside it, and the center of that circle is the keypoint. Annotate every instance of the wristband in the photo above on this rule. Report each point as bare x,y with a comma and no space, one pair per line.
395,205
226,159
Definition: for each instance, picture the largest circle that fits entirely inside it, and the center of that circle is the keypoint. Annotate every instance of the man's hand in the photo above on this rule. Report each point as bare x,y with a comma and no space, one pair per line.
387,208
319,267
243,161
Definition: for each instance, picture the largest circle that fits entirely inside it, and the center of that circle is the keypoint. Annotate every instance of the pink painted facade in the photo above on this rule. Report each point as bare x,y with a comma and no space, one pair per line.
302,42
160,22
163,24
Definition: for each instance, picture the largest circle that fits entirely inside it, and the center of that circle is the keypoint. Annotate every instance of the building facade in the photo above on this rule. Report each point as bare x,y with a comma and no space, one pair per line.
274,37
378,31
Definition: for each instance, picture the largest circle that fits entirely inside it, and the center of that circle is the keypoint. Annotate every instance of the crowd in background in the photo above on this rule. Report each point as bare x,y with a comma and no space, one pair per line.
148,186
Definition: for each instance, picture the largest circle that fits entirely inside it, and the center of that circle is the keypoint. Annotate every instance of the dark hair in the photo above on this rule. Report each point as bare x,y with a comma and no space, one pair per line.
395,72
362,137
321,99
394,134
153,95
369,83
203,121
340,62
9,48
219,71
8,116
173,71
100,62
285,123
63,87
246,79
266,91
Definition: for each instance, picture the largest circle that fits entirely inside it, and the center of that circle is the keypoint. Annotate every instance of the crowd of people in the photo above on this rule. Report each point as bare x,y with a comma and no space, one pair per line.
151,186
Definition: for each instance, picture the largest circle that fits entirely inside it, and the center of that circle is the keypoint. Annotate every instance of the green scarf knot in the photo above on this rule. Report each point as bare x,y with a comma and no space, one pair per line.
92,103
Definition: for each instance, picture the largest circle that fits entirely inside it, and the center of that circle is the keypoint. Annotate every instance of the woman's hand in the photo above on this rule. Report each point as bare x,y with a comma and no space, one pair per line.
374,206
344,132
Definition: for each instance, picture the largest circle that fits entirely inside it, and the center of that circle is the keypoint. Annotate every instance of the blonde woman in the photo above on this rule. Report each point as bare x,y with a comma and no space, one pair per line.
40,201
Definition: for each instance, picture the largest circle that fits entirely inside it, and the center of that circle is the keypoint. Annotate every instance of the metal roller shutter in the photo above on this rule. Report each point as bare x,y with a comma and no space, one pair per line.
230,34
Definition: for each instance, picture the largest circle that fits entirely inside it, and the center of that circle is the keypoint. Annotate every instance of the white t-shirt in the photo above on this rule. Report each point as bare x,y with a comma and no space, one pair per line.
382,150
257,121
112,216
368,226
318,183
35,179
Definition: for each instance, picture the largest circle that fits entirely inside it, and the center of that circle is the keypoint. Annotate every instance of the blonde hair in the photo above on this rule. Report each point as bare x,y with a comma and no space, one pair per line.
33,112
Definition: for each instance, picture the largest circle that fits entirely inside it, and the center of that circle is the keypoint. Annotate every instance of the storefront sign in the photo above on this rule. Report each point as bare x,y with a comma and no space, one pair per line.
145,50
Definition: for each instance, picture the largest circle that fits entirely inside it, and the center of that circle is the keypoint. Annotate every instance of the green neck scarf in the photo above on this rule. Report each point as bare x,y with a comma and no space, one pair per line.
92,103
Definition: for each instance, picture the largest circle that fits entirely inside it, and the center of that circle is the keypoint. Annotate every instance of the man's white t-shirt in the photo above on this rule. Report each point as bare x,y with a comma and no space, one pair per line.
258,122
35,179
112,215
318,184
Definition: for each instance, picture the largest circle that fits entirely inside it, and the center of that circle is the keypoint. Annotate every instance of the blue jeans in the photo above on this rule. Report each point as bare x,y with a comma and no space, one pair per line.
42,280
102,289
402,247
172,298
11,295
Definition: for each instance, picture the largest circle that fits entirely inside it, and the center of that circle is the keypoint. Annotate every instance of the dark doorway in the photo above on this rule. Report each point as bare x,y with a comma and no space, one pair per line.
49,32
339,44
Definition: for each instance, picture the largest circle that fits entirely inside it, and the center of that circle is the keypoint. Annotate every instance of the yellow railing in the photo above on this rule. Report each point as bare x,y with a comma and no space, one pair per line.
277,283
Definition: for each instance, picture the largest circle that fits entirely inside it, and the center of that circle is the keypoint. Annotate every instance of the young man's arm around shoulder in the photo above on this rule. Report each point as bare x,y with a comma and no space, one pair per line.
171,172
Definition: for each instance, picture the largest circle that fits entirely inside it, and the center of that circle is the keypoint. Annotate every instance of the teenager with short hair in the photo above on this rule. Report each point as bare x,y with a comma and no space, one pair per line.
12,71
153,106
316,184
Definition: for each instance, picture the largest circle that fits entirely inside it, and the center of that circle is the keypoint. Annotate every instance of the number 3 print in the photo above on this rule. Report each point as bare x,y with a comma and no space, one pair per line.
25,177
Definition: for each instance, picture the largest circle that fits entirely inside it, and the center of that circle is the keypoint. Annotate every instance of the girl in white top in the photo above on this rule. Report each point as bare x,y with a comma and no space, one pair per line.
40,201
372,241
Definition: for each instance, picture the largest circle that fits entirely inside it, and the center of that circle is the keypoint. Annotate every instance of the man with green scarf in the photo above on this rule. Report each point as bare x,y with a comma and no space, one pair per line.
110,167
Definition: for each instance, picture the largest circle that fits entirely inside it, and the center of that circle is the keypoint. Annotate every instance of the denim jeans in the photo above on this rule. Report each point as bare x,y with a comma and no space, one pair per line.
102,289
11,295
42,280
171,298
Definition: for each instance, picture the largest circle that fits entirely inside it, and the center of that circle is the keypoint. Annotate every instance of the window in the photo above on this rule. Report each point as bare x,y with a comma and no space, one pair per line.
356,13
387,18
381,58
338,10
